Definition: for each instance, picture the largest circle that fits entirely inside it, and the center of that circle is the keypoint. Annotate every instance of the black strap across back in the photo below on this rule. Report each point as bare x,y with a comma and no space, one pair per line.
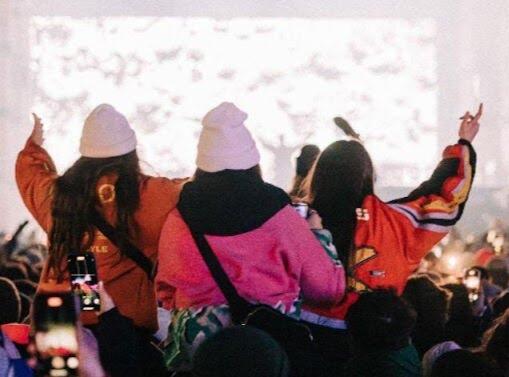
131,251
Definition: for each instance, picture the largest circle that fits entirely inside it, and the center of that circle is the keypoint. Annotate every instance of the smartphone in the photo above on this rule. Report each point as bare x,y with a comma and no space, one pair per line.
302,209
472,280
56,338
84,280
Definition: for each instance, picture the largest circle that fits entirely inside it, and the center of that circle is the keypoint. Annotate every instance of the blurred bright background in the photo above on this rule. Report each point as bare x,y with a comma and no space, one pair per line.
401,71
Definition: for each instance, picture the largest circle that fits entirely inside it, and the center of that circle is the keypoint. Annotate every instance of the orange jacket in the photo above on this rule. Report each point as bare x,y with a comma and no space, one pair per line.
392,238
128,285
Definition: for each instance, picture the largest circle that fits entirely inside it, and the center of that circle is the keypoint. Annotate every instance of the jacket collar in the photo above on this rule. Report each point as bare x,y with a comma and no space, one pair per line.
229,202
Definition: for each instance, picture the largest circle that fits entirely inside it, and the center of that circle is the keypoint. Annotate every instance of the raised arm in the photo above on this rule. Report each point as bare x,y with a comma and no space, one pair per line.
35,176
438,203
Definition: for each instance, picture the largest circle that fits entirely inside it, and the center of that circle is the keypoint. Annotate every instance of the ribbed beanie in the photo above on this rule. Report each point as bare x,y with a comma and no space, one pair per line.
225,142
106,133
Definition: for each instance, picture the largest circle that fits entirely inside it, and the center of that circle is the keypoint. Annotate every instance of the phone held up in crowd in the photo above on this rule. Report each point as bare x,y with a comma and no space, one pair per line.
84,280
472,280
56,338
302,209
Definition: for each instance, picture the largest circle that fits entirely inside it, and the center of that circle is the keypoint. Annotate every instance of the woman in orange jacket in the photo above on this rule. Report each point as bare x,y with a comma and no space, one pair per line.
107,179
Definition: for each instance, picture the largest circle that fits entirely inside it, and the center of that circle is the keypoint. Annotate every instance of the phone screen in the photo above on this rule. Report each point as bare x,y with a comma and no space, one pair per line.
55,335
472,281
302,209
83,272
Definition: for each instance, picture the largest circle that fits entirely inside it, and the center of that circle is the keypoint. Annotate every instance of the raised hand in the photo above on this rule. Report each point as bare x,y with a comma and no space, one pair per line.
37,135
470,125
314,220
106,300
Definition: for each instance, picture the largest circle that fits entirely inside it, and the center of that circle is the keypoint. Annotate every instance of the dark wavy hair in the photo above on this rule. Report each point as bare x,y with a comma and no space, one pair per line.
429,300
340,180
75,194
380,320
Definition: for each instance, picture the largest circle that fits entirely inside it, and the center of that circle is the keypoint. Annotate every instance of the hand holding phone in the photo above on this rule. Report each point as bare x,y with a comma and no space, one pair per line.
56,339
84,280
314,220
302,209
106,301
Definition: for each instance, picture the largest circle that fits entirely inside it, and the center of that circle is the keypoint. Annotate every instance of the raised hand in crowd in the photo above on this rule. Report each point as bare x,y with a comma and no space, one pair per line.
469,126
314,220
37,135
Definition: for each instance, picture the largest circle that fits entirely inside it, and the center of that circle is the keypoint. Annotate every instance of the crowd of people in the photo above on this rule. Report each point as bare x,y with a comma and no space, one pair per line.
223,274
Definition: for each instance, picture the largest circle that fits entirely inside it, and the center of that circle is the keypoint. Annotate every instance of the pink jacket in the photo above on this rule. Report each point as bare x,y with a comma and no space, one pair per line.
271,264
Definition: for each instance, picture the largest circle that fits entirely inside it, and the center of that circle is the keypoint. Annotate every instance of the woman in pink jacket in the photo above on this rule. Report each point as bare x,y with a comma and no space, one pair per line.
263,245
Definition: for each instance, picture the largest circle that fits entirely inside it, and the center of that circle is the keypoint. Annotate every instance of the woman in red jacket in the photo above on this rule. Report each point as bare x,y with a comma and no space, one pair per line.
382,243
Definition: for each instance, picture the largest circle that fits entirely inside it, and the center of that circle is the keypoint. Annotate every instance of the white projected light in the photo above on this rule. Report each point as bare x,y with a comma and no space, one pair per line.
292,76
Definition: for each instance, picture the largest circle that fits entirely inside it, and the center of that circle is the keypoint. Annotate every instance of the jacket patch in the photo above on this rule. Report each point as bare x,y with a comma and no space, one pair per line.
106,193
362,214
99,249
360,256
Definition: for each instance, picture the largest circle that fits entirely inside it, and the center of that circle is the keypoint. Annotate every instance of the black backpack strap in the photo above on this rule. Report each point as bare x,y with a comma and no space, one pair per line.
131,251
239,307
227,288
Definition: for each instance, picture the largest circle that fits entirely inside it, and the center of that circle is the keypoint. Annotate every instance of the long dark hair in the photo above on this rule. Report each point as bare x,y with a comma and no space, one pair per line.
340,180
75,193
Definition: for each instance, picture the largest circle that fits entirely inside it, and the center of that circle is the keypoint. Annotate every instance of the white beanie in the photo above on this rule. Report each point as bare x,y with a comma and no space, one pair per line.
106,133
225,143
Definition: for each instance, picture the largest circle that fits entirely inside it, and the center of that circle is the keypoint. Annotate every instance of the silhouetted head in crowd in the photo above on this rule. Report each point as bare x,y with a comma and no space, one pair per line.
308,155
342,177
33,273
462,363
501,304
14,271
433,276
26,287
10,303
427,299
34,255
434,353
462,326
26,304
380,320
460,307
431,305
240,351
496,343
498,269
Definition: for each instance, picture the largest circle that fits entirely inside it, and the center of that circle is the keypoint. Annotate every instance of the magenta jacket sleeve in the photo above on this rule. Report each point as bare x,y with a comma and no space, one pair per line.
322,280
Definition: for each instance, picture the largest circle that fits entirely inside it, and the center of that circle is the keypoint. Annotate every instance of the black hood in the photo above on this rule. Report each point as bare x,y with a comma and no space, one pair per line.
229,202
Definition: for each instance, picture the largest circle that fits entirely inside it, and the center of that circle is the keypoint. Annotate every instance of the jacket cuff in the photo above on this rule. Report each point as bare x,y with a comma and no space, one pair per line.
464,142
111,315
31,146
325,233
